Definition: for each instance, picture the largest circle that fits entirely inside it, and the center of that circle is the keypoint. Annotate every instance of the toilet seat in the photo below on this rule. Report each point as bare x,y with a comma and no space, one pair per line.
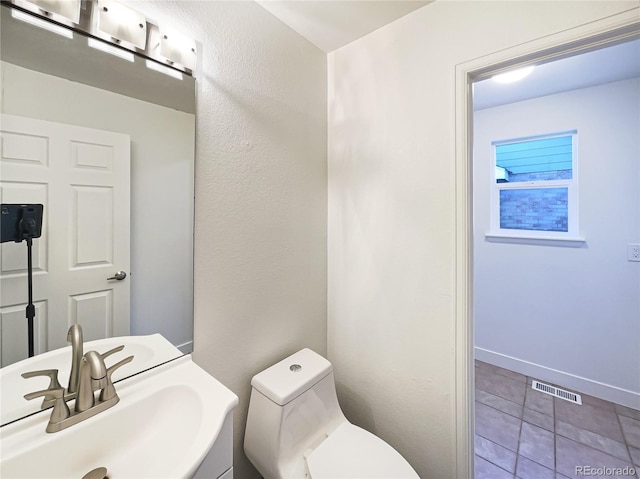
351,452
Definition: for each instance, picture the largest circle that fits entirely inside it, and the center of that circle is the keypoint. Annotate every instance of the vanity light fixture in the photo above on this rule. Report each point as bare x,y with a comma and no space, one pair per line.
39,22
177,49
121,25
62,11
513,75
113,50
113,24
163,69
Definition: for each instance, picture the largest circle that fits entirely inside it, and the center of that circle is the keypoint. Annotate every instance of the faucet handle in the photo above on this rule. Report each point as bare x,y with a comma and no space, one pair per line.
52,373
109,391
60,408
53,383
112,351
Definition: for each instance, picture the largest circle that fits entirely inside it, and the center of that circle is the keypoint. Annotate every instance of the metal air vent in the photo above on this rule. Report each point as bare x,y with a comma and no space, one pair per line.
556,392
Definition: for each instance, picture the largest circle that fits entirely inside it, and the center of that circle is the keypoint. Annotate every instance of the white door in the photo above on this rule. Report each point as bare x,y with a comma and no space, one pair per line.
81,176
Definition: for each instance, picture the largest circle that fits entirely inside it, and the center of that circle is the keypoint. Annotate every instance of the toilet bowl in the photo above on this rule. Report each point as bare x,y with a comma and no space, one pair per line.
296,429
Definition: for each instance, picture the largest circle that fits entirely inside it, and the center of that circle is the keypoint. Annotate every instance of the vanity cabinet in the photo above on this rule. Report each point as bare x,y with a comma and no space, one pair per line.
218,464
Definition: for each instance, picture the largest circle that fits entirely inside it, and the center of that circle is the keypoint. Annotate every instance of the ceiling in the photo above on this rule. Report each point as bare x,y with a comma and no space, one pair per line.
331,24
615,63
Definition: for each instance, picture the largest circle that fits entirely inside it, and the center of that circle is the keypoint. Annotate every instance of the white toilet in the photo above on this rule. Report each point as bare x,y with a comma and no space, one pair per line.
296,429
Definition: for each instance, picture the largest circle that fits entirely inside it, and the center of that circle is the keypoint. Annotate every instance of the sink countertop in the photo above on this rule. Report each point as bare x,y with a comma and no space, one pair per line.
164,425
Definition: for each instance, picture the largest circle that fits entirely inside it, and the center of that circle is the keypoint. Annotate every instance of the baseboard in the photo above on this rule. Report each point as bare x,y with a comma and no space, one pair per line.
561,378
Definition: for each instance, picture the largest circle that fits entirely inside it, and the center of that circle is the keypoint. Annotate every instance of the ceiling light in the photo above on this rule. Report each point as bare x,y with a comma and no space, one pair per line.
514,75
162,69
44,24
105,47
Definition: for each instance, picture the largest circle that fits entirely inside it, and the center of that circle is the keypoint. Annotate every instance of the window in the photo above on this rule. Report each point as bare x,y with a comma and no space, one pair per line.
534,187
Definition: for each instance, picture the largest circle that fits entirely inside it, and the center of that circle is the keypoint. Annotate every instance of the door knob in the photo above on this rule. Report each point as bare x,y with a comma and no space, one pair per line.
120,275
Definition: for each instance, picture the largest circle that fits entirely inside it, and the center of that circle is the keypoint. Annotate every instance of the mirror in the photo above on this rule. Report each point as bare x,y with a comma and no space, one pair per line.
66,103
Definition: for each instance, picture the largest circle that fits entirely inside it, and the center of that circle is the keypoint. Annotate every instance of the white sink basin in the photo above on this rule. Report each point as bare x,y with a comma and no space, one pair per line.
148,351
164,425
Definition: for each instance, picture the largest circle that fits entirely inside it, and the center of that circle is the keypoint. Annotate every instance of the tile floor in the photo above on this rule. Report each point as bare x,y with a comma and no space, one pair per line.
526,434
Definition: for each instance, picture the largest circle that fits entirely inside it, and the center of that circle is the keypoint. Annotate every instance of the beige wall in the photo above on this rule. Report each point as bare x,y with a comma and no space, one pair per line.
392,238
261,193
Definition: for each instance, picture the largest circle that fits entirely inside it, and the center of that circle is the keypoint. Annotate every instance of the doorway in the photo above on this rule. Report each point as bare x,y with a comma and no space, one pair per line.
534,442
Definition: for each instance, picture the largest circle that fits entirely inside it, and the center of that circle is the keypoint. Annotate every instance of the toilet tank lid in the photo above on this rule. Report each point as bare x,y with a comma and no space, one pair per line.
287,379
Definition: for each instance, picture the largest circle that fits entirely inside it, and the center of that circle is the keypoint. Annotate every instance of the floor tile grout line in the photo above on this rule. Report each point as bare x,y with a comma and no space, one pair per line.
503,447
496,394
500,410
501,376
496,443
511,450
494,464
579,441
515,468
489,460
603,452
625,415
519,436
538,463
554,442
626,442
504,375
555,438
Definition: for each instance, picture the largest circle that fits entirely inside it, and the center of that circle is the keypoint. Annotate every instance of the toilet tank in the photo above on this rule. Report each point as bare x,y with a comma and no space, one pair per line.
293,408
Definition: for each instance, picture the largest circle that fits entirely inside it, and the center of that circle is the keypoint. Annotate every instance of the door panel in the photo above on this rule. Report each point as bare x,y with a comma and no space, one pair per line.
92,226
13,332
24,148
97,305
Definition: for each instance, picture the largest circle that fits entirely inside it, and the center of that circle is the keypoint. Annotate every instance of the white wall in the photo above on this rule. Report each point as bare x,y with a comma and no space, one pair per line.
261,193
162,150
572,310
391,298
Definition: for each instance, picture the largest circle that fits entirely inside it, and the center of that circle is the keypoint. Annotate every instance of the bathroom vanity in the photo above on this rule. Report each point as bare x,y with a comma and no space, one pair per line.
171,421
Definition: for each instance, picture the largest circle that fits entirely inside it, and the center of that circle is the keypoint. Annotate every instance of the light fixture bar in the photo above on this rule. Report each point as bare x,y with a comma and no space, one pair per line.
162,69
119,26
105,47
40,23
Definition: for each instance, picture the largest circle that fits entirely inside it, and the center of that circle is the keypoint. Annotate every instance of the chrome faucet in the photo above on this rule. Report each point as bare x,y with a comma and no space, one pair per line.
88,375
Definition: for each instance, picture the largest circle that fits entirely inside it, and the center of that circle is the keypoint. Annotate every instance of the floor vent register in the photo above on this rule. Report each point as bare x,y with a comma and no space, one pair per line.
556,392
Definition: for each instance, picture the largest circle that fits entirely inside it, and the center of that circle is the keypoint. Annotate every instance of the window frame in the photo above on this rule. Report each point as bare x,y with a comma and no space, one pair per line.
572,193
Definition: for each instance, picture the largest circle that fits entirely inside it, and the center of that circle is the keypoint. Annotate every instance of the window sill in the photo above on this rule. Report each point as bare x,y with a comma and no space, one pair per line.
537,240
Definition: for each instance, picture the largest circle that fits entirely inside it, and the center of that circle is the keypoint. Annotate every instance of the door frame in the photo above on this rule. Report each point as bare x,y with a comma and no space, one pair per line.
605,32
